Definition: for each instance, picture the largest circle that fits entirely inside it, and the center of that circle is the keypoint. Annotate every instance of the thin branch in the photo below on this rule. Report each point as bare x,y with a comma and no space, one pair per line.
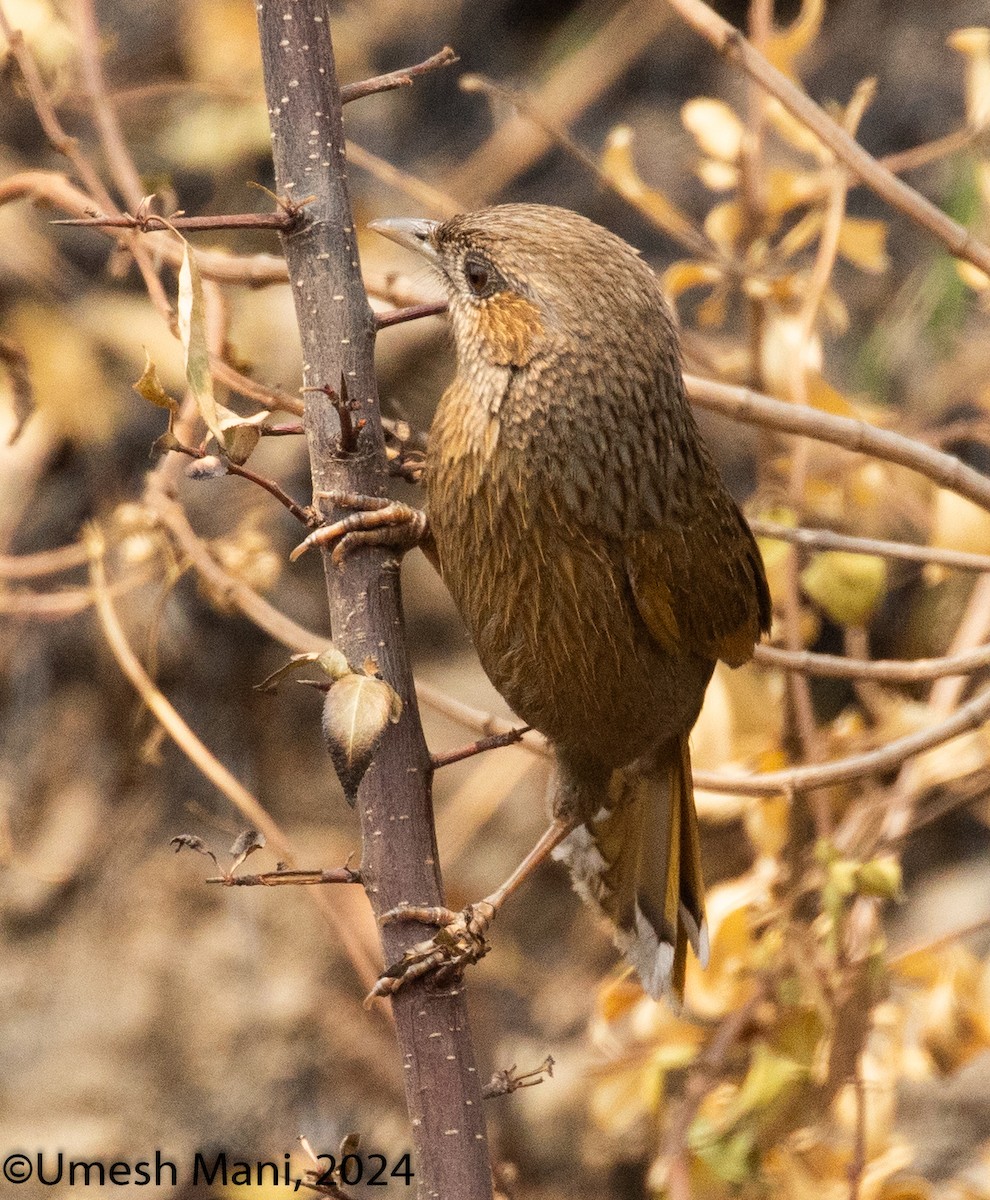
303,514
424,194
827,539
152,223
163,711
832,666
274,399
199,755
743,404
69,146
494,741
929,152
221,582
115,149
289,877
506,1081
45,562
569,88
397,79
980,925
677,226
413,313
730,43
785,782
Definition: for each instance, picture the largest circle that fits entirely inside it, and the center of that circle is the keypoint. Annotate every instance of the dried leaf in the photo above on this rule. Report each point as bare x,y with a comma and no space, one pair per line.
150,387
356,712
786,45
974,43
718,176
847,586
959,524
689,273
192,333
724,224
787,189
189,841
246,843
619,169
864,244
715,127
331,661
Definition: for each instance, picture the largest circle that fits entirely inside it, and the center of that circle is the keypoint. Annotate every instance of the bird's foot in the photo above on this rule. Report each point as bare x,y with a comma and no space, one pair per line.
458,943
374,521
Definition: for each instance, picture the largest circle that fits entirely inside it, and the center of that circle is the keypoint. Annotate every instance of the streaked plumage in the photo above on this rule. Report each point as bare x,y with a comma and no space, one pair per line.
587,539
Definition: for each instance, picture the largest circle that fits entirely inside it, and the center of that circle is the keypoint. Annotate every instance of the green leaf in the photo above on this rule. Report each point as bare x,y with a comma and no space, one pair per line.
847,586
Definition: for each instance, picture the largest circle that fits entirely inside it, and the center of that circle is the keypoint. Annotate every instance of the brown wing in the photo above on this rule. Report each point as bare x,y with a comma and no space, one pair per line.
701,586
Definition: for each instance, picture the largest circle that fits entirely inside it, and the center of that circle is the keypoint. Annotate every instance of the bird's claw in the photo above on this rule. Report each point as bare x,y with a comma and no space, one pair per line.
375,521
459,942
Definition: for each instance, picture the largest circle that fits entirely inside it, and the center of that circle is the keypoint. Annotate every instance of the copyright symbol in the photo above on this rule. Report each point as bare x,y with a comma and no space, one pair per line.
17,1168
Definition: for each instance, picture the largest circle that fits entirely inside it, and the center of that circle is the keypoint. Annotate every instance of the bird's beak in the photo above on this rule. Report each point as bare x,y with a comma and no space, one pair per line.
411,232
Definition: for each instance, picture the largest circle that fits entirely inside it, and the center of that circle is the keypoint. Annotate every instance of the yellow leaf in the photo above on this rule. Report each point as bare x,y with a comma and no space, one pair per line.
715,127
972,276
796,133
767,824
724,224
70,388
786,189
719,176
906,1187
786,45
864,244
847,586
959,524
619,169
150,387
689,273
822,395
711,312
800,235
974,43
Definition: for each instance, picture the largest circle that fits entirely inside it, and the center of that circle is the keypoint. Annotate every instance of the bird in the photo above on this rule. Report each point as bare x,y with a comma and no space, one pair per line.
601,566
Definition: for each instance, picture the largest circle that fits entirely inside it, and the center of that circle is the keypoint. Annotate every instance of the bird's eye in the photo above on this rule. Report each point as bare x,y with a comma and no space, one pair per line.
479,275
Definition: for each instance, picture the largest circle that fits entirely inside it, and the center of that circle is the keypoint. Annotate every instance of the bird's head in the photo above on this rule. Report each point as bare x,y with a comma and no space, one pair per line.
525,278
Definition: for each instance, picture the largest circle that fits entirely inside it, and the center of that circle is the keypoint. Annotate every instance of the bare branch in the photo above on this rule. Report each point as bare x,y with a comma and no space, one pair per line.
730,43
742,404
396,79
827,539
399,857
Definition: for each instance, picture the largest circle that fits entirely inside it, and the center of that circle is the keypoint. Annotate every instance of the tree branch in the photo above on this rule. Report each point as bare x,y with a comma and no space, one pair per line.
396,79
731,44
337,328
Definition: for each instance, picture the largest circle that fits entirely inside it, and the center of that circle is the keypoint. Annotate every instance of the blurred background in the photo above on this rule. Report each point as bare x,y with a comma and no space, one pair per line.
146,1008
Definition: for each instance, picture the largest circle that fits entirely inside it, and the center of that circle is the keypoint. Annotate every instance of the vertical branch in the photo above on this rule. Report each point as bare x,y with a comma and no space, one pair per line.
337,329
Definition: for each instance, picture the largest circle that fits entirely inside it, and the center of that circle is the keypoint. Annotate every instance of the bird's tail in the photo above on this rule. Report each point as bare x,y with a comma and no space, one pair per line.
638,862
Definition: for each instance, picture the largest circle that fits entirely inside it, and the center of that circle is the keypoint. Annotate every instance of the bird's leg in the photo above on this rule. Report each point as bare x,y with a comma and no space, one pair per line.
374,521
461,938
